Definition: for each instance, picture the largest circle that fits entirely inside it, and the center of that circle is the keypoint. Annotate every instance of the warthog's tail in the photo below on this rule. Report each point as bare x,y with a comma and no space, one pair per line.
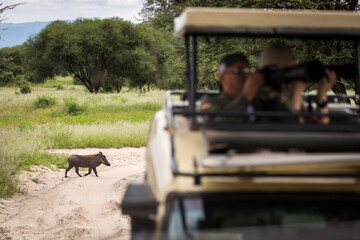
62,164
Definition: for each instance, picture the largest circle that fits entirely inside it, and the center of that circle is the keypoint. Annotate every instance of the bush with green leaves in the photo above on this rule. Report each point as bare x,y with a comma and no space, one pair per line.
59,87
107,88
44,102
24,87
6,78
73,108
77,81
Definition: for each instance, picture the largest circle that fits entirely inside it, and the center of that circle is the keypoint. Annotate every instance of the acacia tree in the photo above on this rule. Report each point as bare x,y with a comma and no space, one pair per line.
145,72
14,59
144,66
122,70
89,49
6,62
152,54
4,8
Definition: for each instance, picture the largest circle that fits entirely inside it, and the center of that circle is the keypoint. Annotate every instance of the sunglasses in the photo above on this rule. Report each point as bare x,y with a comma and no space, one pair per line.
239,71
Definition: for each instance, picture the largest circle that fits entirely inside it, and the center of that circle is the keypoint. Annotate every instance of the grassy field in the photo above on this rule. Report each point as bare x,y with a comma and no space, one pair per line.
58,114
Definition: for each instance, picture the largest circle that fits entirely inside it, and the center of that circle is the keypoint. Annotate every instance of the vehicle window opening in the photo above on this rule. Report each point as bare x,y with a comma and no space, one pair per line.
281,217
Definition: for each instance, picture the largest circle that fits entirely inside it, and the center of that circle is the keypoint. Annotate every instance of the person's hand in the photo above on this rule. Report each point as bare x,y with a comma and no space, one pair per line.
252,85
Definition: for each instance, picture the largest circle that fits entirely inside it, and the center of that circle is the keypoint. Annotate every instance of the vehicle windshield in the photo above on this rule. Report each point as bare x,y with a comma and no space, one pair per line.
287,217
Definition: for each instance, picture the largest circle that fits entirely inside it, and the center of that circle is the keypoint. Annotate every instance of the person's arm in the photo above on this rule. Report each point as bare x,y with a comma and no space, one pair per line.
324,86
252,85
296,90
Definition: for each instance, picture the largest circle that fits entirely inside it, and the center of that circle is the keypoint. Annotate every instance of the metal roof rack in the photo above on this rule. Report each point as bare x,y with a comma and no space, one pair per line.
252,135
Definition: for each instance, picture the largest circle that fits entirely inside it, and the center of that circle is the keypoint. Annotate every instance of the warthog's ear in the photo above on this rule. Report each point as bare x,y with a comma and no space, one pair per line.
100,153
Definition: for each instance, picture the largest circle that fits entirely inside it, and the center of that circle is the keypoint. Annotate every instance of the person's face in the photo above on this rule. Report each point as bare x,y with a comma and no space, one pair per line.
233,78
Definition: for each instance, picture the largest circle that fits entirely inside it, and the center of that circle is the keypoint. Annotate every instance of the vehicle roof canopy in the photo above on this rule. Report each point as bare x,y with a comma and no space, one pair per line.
265,22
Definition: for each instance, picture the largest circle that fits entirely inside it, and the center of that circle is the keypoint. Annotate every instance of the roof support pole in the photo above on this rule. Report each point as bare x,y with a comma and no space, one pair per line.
194,80
357,67
191,56
188,64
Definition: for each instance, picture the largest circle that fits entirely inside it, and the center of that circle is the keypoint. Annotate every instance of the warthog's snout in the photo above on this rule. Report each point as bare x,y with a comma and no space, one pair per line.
105,161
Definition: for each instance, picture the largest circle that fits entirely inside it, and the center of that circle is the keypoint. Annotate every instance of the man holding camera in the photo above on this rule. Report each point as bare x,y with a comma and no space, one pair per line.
281,56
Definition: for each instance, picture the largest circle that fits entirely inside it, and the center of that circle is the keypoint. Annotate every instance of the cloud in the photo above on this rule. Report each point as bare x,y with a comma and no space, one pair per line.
50,10
90,2
121,3
124,3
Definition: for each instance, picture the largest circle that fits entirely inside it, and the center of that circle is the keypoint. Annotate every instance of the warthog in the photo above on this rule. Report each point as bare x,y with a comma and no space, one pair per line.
90,161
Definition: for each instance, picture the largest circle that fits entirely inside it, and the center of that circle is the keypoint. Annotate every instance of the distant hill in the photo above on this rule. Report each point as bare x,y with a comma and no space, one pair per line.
17,33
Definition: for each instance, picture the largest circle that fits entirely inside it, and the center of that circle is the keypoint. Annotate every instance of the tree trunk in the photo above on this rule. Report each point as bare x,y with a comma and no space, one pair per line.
80,74
87,84
119,84
99,78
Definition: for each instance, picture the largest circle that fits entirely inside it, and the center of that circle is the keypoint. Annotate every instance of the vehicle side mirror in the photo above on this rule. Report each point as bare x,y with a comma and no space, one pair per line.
141,205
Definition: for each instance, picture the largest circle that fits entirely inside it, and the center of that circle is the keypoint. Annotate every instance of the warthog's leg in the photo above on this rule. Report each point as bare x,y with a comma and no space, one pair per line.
88,172
77,170
68,169
95,171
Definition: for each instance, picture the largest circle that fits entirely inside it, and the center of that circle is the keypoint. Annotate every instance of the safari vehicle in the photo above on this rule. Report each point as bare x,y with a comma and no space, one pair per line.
207,179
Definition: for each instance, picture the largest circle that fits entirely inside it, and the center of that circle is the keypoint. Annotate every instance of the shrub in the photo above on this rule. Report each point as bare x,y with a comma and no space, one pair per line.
24,87
30,77
107,88
73,108
44,102
59,87
77,81
6,78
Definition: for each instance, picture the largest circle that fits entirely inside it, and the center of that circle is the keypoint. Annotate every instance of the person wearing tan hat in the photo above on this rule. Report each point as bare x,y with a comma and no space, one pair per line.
279,54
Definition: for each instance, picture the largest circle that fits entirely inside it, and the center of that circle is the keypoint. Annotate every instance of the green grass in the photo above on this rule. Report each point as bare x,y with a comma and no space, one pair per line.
58,81
71,117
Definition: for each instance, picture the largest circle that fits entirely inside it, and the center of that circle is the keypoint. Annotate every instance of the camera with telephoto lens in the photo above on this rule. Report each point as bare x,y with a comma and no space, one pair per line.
307,72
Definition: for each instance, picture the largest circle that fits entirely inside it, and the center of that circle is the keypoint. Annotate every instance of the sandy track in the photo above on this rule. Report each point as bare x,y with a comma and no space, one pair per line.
73,208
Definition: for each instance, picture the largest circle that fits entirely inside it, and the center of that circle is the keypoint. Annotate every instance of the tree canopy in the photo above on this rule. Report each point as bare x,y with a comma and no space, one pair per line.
8,67
99,53
106,54
161,14
87,48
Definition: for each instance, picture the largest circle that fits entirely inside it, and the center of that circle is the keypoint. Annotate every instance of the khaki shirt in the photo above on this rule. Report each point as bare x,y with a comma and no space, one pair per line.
223,102
261,102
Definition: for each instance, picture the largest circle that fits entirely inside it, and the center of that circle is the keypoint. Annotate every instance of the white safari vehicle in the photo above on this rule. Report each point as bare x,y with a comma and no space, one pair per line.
208,180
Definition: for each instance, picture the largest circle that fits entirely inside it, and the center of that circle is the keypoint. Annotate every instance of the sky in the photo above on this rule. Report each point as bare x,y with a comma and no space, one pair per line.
50,10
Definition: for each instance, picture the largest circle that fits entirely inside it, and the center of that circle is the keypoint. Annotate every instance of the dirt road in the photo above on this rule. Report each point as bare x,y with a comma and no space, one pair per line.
73,208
